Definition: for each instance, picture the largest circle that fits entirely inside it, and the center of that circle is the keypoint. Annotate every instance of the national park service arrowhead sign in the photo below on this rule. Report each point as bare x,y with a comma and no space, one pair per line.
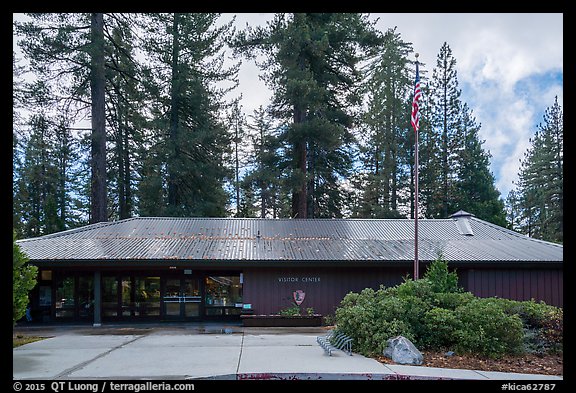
299,296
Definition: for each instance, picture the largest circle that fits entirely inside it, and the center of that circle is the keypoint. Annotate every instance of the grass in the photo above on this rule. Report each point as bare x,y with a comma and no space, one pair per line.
19,339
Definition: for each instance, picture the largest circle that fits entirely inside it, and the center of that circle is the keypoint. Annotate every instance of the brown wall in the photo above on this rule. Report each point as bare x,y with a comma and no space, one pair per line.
271,289
516,284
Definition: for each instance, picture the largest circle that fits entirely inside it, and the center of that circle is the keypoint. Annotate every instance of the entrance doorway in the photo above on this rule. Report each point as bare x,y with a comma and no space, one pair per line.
182,298
151,294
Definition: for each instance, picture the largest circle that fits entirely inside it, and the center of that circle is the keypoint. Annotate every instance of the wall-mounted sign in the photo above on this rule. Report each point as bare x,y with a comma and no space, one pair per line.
299,296
305,279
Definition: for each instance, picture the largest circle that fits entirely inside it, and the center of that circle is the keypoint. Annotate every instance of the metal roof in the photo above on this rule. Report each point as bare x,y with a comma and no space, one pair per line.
253,240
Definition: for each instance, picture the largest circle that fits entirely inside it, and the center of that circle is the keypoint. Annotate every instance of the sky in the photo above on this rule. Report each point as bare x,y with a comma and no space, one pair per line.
509,69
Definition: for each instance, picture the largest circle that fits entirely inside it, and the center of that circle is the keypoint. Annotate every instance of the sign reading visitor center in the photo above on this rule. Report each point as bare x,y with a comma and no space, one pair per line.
299,279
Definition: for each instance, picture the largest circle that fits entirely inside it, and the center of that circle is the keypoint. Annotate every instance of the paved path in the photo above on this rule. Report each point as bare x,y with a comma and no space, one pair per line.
223,353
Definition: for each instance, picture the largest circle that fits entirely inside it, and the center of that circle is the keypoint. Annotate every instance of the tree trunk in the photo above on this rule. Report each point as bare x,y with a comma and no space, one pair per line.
299,195
237,168
445,168
127,177
97,85
173,199
120,163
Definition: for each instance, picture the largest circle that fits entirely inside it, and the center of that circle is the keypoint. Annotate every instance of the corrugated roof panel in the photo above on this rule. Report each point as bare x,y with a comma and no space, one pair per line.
294,240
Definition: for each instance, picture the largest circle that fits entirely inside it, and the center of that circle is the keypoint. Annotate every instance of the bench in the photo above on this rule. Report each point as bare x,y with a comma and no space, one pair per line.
335,340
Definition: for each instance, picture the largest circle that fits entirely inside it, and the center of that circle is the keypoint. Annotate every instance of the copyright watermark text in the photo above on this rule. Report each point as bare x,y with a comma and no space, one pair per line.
528,386
100,387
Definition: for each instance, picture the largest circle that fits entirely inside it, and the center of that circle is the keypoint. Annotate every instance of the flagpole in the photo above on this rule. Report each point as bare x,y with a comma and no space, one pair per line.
416,262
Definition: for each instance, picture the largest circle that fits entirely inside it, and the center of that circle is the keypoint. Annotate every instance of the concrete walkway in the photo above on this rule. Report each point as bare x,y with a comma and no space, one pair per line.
214,351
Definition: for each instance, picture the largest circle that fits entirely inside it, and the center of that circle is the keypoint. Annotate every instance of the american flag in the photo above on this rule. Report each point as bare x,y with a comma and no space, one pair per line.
415,121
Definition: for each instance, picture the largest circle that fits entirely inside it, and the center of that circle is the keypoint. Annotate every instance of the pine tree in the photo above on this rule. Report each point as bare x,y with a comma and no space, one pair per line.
474,187
17,136
237,121
385,148
265,176
185,65
540,187
68,51
454,168
125,118
429,176
311,65
444,97
44,198
99,189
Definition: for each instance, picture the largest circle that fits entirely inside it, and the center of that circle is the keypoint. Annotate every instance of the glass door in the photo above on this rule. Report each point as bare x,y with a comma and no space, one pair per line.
190,297
181,298
172,297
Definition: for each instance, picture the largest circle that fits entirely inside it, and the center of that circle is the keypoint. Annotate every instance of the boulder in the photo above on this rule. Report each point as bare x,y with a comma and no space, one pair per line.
402,351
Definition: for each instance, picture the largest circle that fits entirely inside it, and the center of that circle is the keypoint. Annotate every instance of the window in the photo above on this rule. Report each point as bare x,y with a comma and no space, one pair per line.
223,295
127,305
65,297
109,296
147,296
86,296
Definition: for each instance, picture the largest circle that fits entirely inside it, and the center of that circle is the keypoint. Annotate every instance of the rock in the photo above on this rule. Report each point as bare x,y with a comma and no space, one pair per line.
449,353
402,351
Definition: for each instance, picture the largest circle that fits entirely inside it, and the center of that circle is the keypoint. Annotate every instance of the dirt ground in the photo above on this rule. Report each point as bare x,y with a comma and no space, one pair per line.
525,364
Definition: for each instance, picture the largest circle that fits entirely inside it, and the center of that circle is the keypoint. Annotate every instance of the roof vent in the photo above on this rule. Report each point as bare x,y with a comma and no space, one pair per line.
462,219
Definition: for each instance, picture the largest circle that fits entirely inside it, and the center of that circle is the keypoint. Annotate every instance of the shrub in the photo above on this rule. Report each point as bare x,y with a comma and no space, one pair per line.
23,280
548,336
329,320
488,330
371,318
433,312
441,279
440,327
291,311
543,324
452,300
415,288
534,315
552,331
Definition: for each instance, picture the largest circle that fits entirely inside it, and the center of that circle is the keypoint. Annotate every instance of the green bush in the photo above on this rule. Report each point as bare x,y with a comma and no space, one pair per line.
543,324
441,279
291,311
420,288
552,331
534,315
440,327
24,277
488,330
452,300
371,318
433,312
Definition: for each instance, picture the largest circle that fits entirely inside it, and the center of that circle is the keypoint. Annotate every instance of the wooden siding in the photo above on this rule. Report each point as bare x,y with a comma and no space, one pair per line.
517,284
271,289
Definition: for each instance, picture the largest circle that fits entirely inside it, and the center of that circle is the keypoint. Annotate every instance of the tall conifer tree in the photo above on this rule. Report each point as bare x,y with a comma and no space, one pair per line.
539,193
385,147
190,139
311,65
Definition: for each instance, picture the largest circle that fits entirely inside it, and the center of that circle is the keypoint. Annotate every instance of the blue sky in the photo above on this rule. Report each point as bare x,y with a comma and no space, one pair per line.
509,66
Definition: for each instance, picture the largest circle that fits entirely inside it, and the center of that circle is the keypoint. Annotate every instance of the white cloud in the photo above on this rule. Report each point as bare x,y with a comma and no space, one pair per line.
507,66
504,62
